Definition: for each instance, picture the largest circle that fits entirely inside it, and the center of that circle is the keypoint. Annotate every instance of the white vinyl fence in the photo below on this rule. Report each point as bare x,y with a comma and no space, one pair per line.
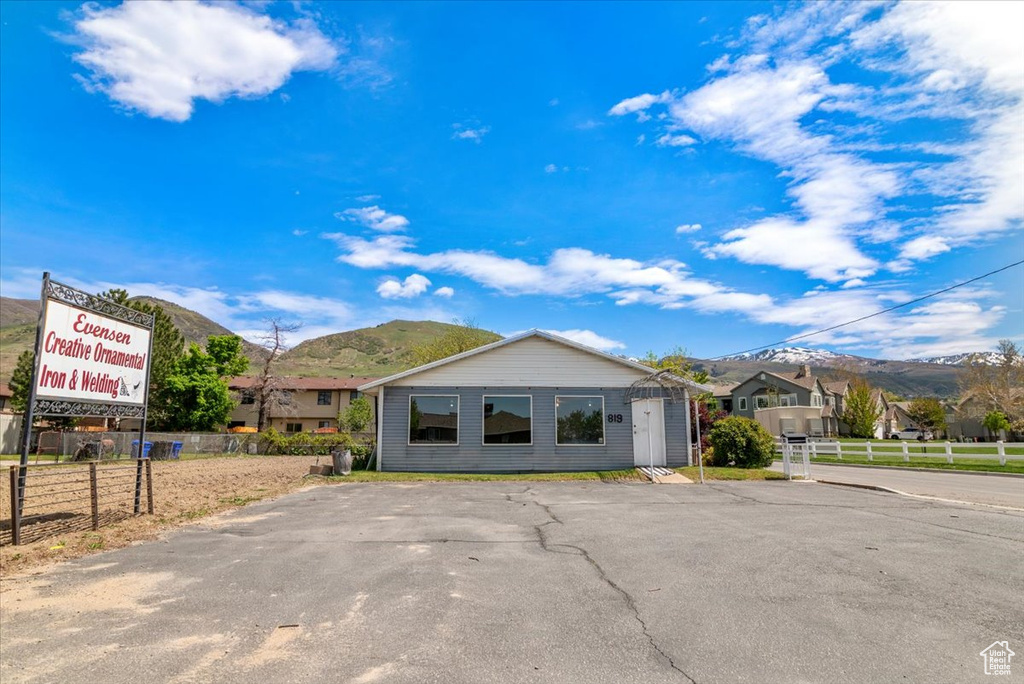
905,450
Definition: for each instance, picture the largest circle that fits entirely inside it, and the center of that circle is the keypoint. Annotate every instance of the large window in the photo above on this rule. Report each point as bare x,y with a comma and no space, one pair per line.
580,421
433,419
323,397
743,403
248,397
508,419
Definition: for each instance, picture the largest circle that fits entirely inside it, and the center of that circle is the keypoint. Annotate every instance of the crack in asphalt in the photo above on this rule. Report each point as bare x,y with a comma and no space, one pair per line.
546,545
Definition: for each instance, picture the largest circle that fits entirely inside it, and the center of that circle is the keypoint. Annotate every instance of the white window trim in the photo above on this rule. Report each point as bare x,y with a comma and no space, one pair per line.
604,430
818,403
757,402
483,404
458,423
742,404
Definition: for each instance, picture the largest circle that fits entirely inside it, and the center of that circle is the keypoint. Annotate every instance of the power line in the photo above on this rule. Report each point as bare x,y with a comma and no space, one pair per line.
877,313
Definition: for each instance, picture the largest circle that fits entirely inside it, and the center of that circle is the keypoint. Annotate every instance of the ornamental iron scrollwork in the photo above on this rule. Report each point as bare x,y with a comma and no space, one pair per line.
69,295
60,407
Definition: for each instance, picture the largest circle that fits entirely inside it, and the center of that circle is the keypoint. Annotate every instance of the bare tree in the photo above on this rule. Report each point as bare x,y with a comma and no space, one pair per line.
267,391
995,386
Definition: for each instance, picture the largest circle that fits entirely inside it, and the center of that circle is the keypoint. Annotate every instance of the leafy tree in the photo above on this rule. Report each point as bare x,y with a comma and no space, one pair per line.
928,413
21,380
996,421
168,346
197,390
461,337
860,410
741,442
357,415
998,386
677,362
21,383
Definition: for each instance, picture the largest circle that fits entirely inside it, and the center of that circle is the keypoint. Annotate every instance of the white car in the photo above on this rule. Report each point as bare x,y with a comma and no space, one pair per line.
912,433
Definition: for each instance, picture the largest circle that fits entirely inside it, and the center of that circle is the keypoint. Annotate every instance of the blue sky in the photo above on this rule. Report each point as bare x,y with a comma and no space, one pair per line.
636,176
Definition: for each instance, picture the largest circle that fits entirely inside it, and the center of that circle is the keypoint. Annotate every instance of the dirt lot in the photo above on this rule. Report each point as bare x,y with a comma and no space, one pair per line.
184,491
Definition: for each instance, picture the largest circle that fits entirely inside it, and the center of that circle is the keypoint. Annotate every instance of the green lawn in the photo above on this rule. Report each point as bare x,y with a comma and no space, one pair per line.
938,462
629,475
710,473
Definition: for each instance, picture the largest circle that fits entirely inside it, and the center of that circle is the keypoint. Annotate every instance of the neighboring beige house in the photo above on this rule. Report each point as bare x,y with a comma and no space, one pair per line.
306,405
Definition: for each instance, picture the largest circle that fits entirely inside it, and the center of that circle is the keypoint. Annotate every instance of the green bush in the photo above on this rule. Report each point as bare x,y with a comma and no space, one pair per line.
303,443
741,442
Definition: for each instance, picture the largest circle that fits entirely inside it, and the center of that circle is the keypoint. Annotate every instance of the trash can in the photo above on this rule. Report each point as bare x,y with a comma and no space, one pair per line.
176,449
342,462
145,449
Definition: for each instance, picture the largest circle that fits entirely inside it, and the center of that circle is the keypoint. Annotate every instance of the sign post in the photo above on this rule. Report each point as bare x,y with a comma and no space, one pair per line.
92,359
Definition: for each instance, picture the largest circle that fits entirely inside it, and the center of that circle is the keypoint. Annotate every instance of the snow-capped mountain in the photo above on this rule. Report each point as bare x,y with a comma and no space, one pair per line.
991,358
790,355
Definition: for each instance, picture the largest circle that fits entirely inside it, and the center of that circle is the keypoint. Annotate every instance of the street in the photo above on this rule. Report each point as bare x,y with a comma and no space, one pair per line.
537,582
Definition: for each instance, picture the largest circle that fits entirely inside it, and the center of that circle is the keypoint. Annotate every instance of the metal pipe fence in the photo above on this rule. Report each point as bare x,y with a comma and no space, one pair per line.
61,498
72,446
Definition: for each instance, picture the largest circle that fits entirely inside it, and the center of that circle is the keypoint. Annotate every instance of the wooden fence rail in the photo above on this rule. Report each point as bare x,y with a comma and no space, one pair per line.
975,451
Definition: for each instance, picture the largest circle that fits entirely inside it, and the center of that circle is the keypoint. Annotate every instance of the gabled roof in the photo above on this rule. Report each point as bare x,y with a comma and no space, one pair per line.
807,381
696,386
301,384
837,387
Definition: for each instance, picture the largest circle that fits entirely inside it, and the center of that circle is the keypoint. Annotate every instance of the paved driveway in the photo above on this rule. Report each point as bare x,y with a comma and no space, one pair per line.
993,490
544,582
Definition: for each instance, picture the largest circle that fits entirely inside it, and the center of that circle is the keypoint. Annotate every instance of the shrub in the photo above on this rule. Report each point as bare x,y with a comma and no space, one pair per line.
300,443
741,442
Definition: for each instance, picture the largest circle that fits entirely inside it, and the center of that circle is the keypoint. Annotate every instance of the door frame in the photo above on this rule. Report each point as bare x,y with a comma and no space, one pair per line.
642,448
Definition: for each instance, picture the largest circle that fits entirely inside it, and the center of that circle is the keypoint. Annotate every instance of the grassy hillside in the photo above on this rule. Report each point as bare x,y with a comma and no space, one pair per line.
901,377
196,327
371,352
14,312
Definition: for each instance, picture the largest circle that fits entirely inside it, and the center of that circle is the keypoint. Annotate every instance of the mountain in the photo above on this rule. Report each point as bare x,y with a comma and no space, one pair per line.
195,327
990,358
369,352
797,355
18,319
905,378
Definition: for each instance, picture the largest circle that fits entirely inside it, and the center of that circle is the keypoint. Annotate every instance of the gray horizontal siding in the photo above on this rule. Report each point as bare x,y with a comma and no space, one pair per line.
470,455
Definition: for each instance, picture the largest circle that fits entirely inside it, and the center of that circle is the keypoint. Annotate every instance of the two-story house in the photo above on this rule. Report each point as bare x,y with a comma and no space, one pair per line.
784,402
301,404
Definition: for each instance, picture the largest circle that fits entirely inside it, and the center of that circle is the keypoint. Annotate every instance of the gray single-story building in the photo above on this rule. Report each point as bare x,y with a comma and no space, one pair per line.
531,402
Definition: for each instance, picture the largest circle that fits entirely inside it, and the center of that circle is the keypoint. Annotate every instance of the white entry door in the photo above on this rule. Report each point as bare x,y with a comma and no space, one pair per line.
648,432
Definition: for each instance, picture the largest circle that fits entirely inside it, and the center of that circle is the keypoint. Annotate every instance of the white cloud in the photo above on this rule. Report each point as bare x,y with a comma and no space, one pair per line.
669,140
553,102
687,228
412,286
924,247
375,218
640,139
158,58
639,105
446,292
299,233
589,338
550,168
368,198
467,133
772,98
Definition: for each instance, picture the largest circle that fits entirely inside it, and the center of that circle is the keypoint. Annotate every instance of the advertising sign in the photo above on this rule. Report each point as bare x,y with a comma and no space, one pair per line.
89,357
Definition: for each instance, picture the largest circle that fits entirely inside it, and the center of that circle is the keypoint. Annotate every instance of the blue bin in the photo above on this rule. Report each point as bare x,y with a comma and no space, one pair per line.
145,449
176,449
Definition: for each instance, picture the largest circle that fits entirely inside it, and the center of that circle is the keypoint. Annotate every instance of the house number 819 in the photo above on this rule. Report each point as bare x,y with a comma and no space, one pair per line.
614,417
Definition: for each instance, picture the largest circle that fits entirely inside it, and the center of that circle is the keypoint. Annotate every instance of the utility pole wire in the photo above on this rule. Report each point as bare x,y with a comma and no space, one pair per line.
877,313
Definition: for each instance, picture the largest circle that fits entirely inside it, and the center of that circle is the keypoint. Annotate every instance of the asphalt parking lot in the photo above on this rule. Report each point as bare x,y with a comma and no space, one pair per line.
538,582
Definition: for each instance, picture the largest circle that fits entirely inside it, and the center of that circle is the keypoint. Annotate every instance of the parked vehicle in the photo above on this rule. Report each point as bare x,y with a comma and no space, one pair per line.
912,433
